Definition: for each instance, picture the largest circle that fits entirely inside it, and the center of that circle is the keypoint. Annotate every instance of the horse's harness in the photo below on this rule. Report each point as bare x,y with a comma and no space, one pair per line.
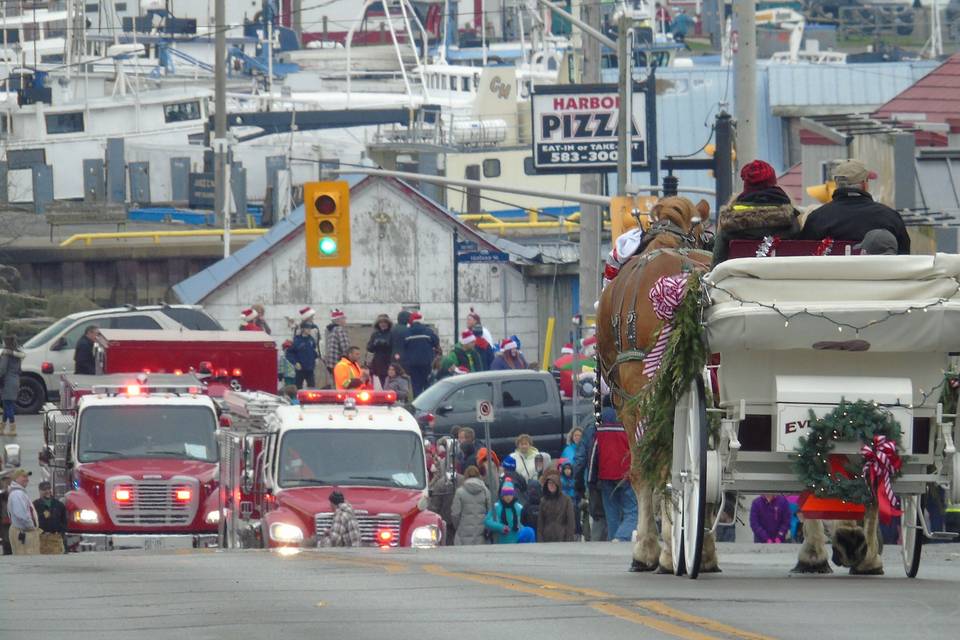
634,352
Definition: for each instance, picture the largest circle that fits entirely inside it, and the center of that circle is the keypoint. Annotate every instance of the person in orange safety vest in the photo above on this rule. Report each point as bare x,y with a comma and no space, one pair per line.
347,374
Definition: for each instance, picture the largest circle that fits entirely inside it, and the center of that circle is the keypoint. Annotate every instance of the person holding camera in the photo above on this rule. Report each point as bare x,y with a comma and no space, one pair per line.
24,527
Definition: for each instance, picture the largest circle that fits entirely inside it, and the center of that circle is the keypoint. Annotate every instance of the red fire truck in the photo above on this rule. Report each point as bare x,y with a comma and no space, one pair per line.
240,359
135,460
276,481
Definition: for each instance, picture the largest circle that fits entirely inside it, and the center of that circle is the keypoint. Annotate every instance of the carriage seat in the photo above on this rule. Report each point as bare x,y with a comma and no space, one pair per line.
855,289
748,248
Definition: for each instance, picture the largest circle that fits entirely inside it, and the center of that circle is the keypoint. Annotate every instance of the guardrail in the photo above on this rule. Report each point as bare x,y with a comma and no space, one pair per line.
89,238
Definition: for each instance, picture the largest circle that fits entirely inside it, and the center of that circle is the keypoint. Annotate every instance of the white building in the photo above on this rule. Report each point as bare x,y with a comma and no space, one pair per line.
402,257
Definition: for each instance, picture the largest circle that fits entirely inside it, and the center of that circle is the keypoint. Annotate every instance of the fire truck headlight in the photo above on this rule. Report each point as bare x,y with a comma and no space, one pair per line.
426,537
213,517
286,533
86,516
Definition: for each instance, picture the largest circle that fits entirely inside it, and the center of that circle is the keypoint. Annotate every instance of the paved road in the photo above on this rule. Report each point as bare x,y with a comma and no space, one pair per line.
553,591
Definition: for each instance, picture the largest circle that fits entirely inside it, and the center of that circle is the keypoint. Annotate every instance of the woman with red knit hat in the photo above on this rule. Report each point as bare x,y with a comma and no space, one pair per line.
761,209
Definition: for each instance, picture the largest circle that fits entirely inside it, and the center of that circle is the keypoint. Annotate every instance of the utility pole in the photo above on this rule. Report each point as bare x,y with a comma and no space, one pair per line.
220,125
590,222
298,19
624,128
745,80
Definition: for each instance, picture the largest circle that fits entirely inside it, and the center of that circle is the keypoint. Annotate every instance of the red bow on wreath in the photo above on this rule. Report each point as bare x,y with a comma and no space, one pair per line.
880,463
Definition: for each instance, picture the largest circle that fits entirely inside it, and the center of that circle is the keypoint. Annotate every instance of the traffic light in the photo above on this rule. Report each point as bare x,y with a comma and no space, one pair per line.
621,213
327,223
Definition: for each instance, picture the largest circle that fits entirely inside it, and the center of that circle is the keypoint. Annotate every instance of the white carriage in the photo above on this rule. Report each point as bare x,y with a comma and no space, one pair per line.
802,333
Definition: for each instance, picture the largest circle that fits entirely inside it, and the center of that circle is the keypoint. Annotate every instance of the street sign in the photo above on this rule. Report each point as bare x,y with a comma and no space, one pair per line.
201,189
483,256
484,411
467,245
575,128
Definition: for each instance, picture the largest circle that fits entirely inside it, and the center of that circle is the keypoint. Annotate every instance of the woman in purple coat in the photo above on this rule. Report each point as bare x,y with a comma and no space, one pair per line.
770,518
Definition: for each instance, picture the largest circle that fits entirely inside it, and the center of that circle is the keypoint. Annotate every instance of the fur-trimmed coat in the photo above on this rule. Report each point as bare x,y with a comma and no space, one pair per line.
752,216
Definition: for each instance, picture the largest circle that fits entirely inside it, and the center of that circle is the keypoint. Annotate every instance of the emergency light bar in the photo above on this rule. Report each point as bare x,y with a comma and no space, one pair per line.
363,396
138,389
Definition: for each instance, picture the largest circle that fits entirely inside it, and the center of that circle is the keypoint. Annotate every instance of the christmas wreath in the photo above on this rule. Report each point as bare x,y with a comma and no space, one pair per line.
830,475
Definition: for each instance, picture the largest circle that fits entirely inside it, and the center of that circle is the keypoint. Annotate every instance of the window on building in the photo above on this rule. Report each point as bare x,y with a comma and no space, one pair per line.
93,7
55,29
65,122
465,83
491,168
182,111
453,83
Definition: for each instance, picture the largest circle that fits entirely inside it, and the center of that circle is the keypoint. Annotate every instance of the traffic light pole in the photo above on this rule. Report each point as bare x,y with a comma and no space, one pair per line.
220,124
724,159
456,288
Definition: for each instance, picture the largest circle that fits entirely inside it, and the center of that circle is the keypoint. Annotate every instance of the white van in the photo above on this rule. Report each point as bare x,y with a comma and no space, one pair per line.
50,353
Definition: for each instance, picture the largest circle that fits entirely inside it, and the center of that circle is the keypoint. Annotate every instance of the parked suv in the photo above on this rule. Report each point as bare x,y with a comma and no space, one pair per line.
50,353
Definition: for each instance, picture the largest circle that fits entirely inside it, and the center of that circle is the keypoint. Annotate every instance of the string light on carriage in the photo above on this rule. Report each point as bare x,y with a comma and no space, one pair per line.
790,315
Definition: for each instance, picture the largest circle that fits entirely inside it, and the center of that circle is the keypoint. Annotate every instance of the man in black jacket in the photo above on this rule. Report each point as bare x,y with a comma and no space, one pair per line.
853,212
83,360
52,517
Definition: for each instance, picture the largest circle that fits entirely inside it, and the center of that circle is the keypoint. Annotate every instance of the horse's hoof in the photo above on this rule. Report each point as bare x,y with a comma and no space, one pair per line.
820,567
714,569
642,567
877,571
662,570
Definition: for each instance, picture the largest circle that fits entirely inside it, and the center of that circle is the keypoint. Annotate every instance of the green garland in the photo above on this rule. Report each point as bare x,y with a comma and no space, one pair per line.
850,422
683,360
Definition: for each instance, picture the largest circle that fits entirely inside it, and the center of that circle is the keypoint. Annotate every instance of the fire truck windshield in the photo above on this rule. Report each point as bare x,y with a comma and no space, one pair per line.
147,431
358,457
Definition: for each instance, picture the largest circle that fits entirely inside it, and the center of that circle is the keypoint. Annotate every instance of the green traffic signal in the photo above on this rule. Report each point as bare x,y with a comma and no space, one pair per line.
328,246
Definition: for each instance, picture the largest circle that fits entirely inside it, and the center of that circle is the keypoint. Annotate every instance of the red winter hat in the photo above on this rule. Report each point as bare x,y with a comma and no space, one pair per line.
416,316
758,175
337,314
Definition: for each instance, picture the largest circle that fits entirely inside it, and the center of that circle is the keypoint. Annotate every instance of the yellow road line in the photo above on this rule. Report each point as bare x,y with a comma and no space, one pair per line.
712,625
511,583
547,584
630,615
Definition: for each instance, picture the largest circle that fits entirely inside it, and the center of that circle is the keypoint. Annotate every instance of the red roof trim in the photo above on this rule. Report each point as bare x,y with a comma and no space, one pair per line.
811,138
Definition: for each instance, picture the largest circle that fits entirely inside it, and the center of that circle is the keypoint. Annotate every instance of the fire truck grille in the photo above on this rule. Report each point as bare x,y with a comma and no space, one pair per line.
152,503
371,527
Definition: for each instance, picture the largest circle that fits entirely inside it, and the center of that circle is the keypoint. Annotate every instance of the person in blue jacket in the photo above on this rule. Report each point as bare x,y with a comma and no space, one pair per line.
302,354
503,521
420,346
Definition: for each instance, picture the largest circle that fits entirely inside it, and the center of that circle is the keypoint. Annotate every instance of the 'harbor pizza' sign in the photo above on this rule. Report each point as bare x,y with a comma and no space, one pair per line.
575,128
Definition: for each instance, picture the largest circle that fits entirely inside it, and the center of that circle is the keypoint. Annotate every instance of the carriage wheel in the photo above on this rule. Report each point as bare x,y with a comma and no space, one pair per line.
688,477
911,533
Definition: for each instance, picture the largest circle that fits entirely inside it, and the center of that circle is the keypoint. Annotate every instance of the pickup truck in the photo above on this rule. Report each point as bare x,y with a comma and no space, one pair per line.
523,402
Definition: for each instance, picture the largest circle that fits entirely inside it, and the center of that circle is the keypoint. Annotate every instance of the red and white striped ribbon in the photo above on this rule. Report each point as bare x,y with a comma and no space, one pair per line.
665,295
880,462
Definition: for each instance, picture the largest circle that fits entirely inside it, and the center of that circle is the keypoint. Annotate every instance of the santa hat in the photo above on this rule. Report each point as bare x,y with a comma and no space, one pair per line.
461,370
249,315
508,343
590,346
416,316
567,348
467,337
336,314
306,313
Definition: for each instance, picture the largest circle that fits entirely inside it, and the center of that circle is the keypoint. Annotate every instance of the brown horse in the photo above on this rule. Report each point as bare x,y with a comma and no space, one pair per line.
626,326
